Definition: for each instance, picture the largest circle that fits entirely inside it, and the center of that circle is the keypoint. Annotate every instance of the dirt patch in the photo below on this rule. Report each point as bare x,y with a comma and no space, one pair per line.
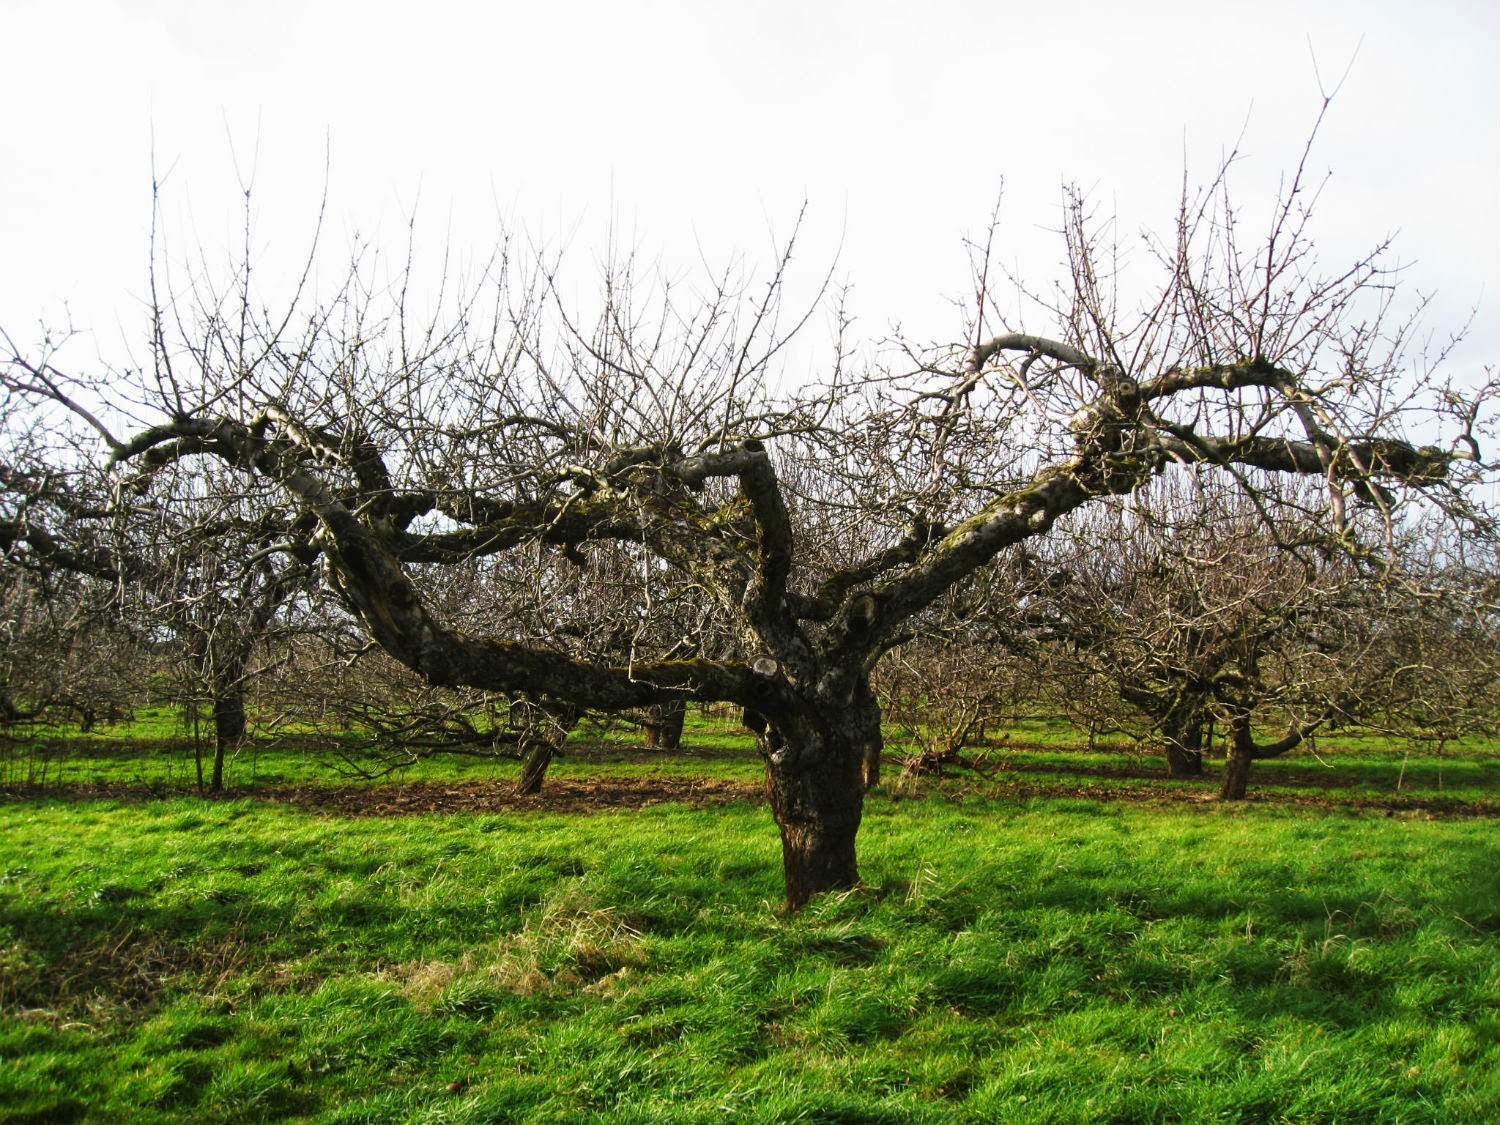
560,795
1197,792
602,794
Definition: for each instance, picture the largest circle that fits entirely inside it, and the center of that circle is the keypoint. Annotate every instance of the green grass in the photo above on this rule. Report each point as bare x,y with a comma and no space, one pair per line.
1356,766
1017,960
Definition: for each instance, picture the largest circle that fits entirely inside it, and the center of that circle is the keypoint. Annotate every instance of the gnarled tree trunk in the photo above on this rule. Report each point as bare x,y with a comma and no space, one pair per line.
1182,734
815,780
1185,750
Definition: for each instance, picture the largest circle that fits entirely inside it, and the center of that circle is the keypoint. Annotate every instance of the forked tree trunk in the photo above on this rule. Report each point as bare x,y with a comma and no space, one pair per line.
816,788
1243,750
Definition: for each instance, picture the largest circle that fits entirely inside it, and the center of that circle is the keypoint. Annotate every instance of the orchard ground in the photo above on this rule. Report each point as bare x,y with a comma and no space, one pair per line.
1058,935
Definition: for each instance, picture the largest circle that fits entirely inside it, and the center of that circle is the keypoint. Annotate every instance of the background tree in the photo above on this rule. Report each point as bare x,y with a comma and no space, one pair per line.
968,663
1176,599
69,649
1431,673
216,571
338,690
196,576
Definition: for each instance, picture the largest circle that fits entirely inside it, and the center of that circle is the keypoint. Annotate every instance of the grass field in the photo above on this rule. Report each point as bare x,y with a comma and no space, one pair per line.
1030,946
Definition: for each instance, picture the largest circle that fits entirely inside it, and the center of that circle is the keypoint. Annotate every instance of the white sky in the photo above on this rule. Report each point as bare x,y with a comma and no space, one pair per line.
707,123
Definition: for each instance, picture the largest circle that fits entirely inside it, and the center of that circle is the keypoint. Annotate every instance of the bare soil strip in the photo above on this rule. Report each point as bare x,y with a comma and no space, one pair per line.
596,795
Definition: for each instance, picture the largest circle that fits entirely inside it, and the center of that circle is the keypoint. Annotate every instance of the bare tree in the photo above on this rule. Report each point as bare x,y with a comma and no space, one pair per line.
1169,599
941,697
509,423
1206,609
1431,671
67,648
968,662
65,654
336,691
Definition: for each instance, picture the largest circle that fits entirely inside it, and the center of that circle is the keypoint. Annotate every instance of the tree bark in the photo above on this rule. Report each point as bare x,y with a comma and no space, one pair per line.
872,745
229,730
870,762
538,757
1185,750
816,788
1237,764
1243,749
228,677
544,728
663,725
1182,722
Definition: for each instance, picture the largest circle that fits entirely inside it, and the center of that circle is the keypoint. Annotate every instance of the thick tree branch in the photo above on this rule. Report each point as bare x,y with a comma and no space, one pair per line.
1022,342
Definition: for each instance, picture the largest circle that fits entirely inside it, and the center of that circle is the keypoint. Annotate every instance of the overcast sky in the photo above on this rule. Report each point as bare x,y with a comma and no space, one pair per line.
706,124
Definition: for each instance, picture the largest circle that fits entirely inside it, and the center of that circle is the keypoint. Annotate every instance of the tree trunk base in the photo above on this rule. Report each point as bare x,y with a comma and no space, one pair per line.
230,723
1236,777
663,726
816,860
817,797
1184,763
534,768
